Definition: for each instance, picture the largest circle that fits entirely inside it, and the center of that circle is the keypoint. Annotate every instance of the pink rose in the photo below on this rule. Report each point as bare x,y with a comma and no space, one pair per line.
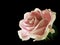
36,24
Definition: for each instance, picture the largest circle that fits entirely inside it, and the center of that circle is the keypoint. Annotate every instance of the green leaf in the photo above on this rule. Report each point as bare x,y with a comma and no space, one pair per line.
52,36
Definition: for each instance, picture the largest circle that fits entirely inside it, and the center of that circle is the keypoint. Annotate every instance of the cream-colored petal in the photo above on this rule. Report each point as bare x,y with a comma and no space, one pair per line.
53,17
52,30
37,9
23,35
20,23
26,15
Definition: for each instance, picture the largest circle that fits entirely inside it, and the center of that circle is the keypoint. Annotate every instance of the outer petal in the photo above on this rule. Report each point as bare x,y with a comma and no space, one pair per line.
53,17
23,35
26,15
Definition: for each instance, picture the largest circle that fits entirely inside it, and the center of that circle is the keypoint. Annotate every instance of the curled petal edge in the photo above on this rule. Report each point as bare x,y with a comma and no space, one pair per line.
22,36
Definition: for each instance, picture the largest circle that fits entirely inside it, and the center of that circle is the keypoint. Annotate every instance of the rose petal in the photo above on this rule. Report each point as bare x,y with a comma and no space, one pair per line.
27,14
23,35
39,31
40,28
53,17
36,14
46,15
42,23
29,22
24,26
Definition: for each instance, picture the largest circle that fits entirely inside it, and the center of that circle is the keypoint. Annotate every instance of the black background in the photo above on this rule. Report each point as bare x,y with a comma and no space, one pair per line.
18,8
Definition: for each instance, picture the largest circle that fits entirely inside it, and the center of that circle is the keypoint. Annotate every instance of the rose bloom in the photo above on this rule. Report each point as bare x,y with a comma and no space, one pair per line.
36,24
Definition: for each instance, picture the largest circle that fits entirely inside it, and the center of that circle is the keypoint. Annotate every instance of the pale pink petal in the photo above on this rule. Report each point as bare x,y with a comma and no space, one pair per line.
30,22
42,23
24,26
27,14
46,15
35,22
53,17
23,35
36,14
39,31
